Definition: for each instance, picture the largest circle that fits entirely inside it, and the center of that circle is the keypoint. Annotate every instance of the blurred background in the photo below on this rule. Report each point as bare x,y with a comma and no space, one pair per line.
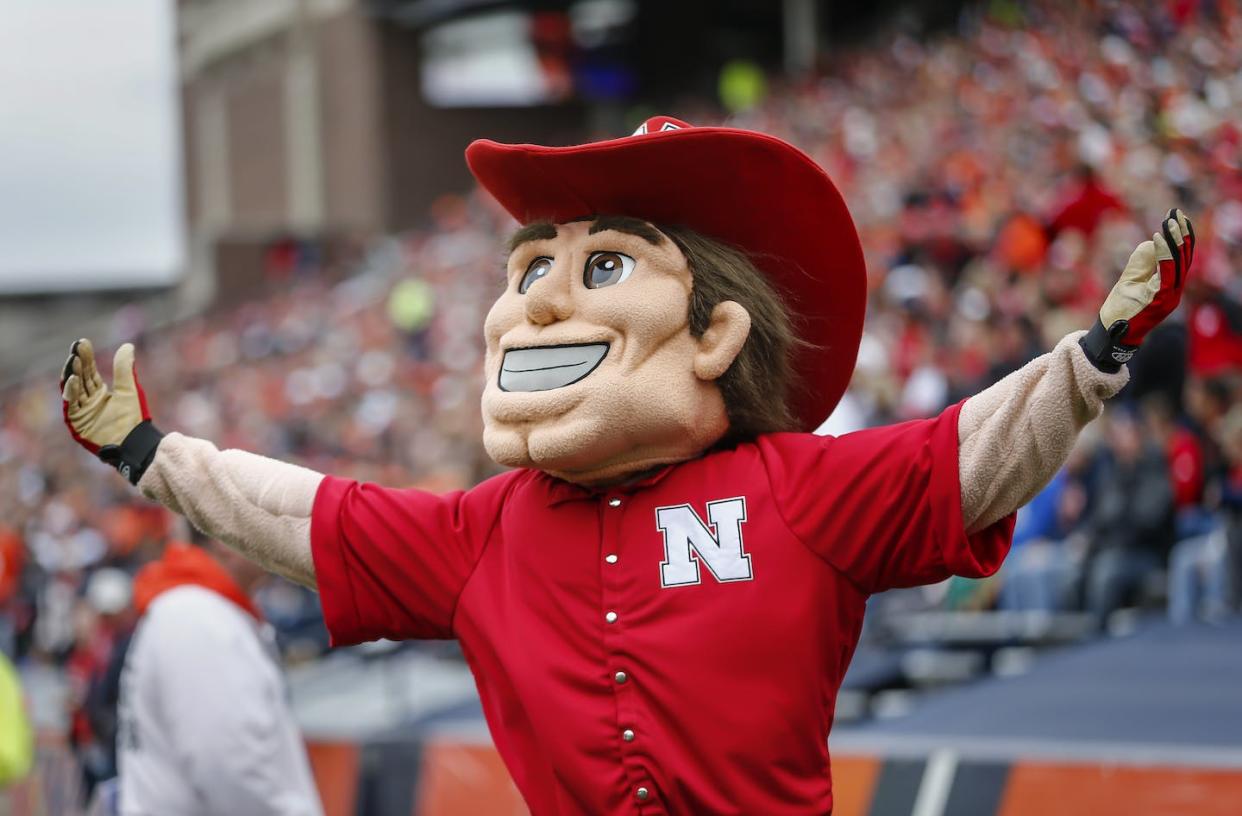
269,198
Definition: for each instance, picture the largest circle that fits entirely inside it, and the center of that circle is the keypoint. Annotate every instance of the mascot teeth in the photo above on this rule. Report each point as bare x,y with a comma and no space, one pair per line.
544,368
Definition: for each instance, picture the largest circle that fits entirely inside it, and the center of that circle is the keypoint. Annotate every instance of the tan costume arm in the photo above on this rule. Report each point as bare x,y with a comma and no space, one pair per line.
258,506
1014,436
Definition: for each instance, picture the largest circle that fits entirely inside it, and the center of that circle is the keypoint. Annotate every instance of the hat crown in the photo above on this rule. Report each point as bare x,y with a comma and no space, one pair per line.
659,124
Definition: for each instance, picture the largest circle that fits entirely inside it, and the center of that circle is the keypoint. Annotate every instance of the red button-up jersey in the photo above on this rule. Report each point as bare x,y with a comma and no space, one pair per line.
671,646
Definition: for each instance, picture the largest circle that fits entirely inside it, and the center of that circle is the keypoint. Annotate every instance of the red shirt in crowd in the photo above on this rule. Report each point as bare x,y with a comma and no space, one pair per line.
1185,468
12,558
1215,340
1084,207
675,644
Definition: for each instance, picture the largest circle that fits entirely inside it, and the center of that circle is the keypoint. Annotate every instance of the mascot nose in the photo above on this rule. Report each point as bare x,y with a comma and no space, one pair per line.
548,301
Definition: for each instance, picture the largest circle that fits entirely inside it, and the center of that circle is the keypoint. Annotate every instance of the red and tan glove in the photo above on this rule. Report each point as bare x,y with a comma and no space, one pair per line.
1149,290
115,424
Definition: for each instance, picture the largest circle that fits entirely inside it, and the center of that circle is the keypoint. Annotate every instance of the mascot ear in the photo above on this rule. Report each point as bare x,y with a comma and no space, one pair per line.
723,340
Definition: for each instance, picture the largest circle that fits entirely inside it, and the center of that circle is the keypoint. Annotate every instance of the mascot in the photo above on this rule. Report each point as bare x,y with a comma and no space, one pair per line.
660,599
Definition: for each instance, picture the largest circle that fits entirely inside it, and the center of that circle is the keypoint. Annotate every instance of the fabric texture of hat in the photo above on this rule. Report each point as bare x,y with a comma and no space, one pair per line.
747,189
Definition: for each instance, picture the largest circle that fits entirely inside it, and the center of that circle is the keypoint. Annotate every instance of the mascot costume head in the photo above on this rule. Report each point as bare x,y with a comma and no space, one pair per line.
669,292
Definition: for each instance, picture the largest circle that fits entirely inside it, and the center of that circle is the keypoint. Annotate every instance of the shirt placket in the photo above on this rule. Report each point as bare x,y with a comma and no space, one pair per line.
641,791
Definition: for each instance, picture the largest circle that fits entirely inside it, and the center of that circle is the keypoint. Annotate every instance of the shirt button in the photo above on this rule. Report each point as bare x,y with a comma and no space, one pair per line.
627,735
611,617
611,558
641,794
621,677
614,502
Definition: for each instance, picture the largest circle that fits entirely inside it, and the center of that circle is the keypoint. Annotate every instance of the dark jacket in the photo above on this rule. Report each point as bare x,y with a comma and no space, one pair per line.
1133,508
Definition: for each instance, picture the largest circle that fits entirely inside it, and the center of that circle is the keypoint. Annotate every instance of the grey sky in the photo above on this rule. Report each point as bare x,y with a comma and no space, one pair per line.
90,186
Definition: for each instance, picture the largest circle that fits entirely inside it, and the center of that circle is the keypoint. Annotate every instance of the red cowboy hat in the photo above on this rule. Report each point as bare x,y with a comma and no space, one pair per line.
747,189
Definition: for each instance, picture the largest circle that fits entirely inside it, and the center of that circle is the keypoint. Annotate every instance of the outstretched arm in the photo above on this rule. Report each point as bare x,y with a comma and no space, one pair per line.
258,506
1014,436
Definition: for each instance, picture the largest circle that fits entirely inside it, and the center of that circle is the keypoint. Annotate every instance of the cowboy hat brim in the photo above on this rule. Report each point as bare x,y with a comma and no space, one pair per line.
747,189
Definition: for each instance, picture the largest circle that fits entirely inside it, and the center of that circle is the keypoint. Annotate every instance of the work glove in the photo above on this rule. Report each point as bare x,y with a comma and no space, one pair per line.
1149,290
115,424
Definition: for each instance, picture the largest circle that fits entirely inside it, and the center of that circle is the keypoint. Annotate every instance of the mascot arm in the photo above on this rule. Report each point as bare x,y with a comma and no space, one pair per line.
1014,436
258,506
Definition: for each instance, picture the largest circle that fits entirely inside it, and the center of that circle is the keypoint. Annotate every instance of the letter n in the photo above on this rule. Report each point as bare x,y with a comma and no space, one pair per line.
687,541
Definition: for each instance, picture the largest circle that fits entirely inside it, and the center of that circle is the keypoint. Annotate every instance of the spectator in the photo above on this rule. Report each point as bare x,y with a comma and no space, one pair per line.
1215,334
1041,569
105,623
1131,524
205,725
1203,570
1185,459
16,742
1084,205
12,562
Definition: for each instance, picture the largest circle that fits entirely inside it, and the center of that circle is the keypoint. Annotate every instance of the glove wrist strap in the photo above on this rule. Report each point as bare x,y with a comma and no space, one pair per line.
133,456
1104,348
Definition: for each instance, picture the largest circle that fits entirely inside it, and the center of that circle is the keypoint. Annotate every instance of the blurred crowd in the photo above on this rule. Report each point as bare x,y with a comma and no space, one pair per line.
999,175
1000,178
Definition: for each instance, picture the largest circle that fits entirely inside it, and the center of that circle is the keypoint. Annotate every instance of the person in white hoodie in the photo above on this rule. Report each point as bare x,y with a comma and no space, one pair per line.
205,725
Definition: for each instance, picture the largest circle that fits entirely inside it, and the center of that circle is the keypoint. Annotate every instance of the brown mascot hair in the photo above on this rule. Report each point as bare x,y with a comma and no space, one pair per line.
757,386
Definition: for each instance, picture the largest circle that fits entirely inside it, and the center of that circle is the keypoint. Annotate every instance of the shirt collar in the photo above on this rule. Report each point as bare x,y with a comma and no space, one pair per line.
560,491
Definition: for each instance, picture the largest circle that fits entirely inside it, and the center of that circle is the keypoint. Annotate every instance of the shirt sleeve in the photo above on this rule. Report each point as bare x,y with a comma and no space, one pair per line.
883,506
392,563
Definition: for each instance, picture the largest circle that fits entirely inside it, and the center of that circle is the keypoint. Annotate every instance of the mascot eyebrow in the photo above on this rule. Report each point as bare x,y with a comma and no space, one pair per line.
546,230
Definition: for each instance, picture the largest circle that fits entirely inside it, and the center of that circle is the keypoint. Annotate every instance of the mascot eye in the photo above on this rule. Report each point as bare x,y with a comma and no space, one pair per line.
538,268
607,269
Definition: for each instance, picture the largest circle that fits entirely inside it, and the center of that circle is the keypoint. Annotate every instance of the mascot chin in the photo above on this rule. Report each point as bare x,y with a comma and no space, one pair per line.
660,599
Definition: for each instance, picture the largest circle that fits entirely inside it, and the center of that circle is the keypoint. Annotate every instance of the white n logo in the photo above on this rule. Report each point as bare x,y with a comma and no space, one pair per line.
687,540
